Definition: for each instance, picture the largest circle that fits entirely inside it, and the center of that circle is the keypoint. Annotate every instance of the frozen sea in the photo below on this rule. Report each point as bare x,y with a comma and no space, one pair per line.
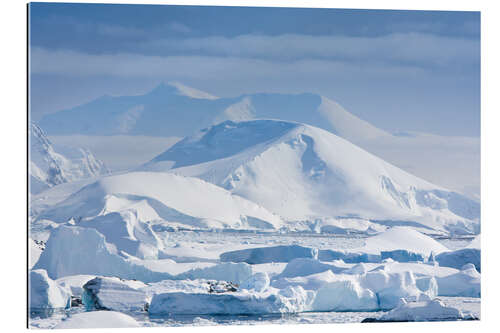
230,239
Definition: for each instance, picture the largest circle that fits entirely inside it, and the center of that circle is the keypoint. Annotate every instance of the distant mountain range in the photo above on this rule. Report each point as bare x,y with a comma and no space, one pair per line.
176,110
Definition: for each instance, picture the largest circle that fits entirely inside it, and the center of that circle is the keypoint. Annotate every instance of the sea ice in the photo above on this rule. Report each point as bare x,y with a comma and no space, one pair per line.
98,319
433,310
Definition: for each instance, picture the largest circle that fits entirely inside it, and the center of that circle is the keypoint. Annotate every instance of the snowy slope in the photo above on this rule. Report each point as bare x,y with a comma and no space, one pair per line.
149,196
305,173
52,165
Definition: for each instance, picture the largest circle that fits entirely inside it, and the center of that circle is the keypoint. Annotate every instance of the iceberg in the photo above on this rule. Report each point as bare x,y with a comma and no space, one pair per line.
258,282
263,255
346,295
125,230
458,258
307,266
433,310
233,272
104,293
75,250
466,283
236,303
45,293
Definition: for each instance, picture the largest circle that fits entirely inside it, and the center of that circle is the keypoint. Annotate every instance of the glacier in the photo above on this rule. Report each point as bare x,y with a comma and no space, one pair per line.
50,165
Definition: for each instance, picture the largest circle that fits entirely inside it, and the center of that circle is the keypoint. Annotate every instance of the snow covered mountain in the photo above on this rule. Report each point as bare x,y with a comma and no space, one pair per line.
159,197
176,110
52,165
306,174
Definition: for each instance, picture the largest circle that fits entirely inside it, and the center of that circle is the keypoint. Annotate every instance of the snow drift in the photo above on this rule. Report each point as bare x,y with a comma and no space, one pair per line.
161,197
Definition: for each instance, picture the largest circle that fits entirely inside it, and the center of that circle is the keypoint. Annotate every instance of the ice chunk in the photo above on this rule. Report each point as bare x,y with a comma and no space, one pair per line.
458,258
258,282
346,295
428,285
307,266
76,250
45,293
348,257
127,233
402,256
433,310
98,319
75,283
390,287
466,283
233,272
105,293
262,255
400,285
310,282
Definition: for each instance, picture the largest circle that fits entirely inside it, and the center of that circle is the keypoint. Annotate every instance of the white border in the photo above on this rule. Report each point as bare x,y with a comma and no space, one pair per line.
13,162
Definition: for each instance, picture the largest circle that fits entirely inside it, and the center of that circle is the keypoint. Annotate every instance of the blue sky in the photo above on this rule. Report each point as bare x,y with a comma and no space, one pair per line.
400,70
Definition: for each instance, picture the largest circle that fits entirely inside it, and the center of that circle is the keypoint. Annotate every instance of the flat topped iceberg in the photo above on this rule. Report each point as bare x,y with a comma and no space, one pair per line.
290,300
104,293
458,258
262,255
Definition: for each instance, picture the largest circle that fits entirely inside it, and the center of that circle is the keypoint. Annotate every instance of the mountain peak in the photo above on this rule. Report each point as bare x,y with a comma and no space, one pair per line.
178,88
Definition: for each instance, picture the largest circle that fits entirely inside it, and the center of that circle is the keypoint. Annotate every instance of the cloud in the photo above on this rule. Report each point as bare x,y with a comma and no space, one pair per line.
72,63
408,48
